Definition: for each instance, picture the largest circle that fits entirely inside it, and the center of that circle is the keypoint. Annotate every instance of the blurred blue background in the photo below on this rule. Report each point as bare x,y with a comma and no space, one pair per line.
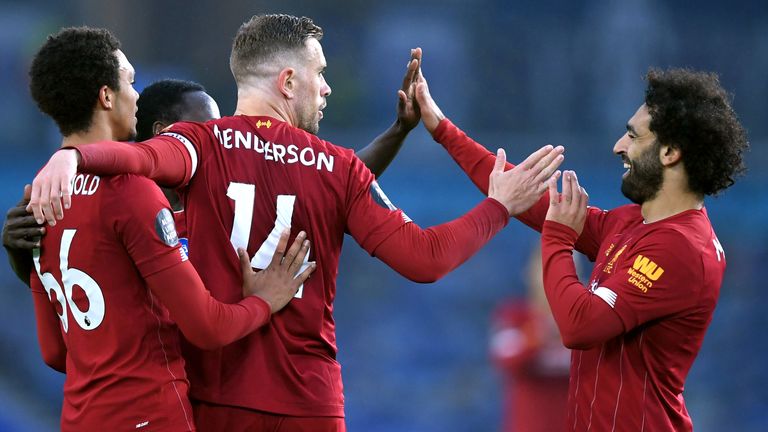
514,74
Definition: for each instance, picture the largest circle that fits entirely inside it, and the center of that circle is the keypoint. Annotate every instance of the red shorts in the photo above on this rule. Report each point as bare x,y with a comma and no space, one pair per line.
216,418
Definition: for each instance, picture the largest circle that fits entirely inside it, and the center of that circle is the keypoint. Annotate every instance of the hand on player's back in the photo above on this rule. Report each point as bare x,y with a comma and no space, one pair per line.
20,230
519,188
52,185
279,282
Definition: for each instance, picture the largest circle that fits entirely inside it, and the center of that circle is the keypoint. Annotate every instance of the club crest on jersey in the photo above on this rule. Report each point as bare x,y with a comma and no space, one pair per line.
609,267
267,124
165,227
381,199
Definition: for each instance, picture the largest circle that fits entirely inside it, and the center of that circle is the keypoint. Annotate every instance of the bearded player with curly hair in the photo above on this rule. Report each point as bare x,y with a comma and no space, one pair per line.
637,326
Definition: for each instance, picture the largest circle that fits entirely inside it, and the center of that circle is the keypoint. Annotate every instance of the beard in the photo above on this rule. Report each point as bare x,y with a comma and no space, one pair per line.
309,121
646,174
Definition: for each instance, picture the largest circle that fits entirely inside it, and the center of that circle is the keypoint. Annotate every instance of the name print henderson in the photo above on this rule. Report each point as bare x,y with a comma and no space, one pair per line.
236,139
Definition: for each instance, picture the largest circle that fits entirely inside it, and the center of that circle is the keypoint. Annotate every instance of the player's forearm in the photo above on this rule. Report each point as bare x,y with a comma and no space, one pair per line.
477,162
427,255
158,159
205,321
584,319
381,151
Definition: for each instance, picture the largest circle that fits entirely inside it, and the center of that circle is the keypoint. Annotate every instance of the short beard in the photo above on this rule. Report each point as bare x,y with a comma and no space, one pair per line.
645,177
307,123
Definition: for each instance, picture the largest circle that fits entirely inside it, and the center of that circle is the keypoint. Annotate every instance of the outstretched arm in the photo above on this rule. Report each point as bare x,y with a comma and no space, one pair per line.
21,234
427,255
381,151
161,159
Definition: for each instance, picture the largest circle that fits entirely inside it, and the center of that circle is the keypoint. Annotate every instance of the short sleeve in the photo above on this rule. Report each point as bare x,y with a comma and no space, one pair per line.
660,276
370,215
144,223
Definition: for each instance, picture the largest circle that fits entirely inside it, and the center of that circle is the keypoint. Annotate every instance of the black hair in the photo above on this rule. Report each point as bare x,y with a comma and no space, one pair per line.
691,111
68,71
162,101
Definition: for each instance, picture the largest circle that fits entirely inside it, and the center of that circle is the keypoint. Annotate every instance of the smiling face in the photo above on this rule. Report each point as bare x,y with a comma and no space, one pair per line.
639,149
311,88
123,114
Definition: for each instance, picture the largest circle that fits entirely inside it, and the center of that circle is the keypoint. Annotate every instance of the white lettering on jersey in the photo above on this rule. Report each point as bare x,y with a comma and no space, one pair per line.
290,154
718,248
85,184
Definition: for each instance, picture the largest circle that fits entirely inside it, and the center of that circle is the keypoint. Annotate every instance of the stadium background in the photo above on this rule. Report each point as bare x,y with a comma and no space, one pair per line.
515,74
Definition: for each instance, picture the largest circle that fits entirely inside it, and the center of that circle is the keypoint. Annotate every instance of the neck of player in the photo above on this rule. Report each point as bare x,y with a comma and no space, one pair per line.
673,198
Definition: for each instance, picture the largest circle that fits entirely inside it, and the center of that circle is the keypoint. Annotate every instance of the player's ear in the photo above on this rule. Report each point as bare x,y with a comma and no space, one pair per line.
286,82
106,97
670,155
157,127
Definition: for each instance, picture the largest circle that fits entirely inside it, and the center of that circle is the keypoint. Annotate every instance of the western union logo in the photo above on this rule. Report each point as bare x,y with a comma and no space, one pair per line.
647,267
266,124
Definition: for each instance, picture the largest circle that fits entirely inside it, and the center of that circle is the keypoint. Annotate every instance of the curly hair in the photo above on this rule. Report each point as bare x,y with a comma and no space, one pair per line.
263,37
68,71
162,101
691,111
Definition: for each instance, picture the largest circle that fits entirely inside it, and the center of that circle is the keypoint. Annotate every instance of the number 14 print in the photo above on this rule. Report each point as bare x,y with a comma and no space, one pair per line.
244,196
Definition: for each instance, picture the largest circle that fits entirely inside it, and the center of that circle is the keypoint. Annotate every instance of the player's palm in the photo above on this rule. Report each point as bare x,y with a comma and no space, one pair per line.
408,114
519,188
569,207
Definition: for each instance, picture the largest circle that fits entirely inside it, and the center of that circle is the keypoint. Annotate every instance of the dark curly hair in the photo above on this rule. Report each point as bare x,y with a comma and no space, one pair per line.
263,36
162,101
68,71
691,111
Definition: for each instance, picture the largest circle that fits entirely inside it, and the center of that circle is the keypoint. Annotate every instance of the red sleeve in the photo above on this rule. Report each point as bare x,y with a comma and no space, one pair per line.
477,162
387,233
426,255
144,224
52,346
584,318
146,228
203,320
170,159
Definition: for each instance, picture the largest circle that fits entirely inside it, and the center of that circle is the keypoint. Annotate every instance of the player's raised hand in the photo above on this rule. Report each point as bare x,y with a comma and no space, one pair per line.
431,115
21,230
407,110
519,188
279,282
52,187
569,207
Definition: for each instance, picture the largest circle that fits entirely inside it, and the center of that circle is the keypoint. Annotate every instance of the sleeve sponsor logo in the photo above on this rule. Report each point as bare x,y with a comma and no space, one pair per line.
380,198
644,272
165,227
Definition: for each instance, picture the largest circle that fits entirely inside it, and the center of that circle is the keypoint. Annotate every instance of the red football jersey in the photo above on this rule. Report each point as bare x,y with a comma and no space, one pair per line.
124,369
662,279
250,178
